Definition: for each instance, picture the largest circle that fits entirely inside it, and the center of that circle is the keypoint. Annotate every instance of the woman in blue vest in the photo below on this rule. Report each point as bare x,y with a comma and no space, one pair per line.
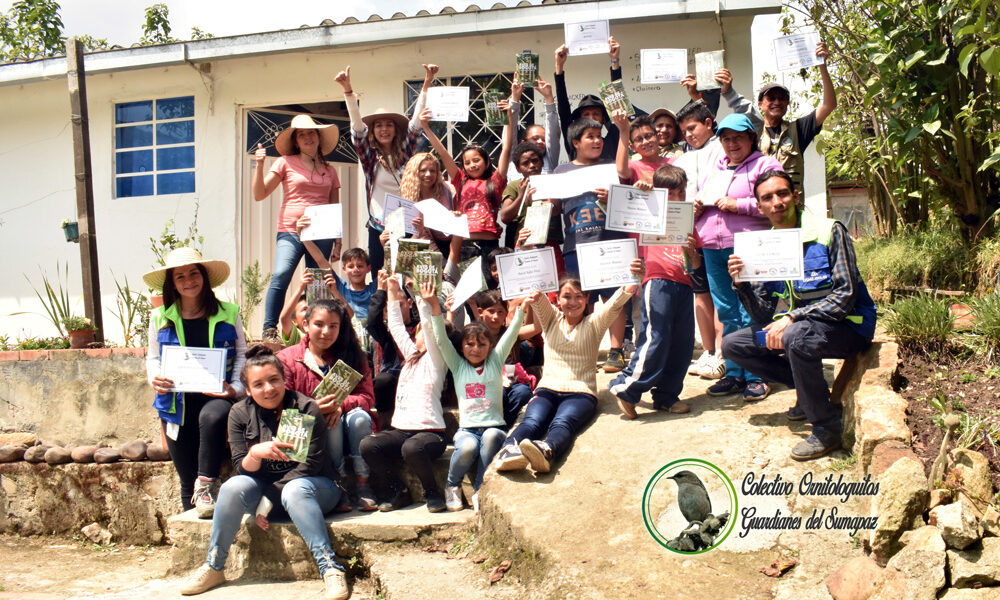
194,423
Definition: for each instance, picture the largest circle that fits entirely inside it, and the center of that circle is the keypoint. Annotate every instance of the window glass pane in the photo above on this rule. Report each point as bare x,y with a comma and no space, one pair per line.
134,162
134,137
174,133
134,186
175,183
175,158
175,108
134,112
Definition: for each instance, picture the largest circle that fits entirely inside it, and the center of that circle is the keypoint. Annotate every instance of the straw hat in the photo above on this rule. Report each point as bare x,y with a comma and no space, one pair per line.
328,135
218,270
402,123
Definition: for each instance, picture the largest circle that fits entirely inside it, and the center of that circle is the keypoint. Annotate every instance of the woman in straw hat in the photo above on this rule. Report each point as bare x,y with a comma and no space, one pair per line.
384,141
194,423
307,180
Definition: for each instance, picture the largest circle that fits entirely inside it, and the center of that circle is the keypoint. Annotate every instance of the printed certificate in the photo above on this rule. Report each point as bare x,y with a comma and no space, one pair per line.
770,254
716,186
439,218
663,65
525,271
574,183
536,220
193,369
393,203
706,64
449,103
635,211
469,284
794,52
325,222
607,263
590,37
680,224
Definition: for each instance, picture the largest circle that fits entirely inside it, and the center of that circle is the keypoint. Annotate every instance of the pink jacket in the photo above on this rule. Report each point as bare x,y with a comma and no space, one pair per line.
716,227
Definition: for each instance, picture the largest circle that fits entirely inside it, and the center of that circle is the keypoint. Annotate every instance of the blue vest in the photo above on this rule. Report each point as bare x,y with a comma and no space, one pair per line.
170,332
817,279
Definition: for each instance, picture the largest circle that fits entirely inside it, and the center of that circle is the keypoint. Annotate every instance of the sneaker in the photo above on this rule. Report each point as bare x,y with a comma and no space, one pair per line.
335,584
795,414
399,500
453,498
615,361
510,459
538,454
271,336
204,498
366,498
726,386
698,365
628,348
202,580
813,447
755,391
714,367
435,503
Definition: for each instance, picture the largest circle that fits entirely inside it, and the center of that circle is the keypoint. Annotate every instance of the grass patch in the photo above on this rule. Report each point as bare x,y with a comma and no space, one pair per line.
987,326
922,322
935,258
844,464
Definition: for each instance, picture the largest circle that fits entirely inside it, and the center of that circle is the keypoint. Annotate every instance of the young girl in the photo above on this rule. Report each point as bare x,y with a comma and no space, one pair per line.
518,384
566,396
418,420
306,491
329,337
422,181
478,187
478,374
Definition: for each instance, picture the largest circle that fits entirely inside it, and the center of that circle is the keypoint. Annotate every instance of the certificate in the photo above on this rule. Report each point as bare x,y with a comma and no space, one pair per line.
590,37
325,222
448,103
439,218
769,254
193,369
525,271
536,220
635,211
393,203
680,224
574,183
706,64
663,65
716,186
469,284
794,52
608,263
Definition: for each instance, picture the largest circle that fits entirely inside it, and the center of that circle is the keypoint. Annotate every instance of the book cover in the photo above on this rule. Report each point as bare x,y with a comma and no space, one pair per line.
317,290
494,116
706,64
614,97
405,251
536,219
427,267
340,381
295,428
527,68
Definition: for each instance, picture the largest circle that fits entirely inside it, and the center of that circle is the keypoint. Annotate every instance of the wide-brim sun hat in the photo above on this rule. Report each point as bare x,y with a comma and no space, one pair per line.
771,86
329,135
218,270
402,123
736,122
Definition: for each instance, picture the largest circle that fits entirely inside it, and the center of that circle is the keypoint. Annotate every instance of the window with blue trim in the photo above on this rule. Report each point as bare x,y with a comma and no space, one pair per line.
154,147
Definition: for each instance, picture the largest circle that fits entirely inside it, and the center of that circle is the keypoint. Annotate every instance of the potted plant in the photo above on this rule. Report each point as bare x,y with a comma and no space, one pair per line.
71,229
81,331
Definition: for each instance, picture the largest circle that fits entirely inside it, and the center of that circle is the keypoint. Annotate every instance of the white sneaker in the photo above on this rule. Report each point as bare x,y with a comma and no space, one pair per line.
204,498
335,584
714,367
453,498
698,365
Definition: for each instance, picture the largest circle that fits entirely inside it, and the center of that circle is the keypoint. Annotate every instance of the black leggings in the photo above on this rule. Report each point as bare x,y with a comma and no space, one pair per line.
384,385
419,449
200,446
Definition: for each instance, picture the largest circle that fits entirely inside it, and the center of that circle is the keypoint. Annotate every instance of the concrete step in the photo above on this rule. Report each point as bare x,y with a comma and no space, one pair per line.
409,574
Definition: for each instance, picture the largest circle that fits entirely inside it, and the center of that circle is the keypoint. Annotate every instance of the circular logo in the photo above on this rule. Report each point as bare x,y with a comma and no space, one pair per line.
689,506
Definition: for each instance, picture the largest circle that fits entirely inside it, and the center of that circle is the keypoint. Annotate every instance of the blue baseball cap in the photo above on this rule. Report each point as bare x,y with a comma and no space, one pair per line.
736,122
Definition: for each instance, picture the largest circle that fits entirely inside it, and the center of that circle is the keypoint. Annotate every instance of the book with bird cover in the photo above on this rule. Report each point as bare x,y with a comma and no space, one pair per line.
403,252
494,116
527,67
317,290
427,267
340,381
615,98
296,429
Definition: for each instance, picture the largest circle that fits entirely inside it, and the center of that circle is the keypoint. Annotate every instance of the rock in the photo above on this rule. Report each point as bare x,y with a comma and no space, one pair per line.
57,456
83,454
107,455
36,454
968,594
977,566
97,534
16,438
880,416
157,452
893,585
975,472
923,562
940,496
12,453
104,444
855,580
134,450
887,453
957,522
899,505
991,522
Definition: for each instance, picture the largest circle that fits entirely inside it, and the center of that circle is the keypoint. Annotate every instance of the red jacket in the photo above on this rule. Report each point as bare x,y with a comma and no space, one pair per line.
300,378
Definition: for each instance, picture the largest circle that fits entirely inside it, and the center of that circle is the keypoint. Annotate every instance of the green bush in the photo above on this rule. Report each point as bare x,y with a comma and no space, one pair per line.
921,322
935,258
987,326
987,263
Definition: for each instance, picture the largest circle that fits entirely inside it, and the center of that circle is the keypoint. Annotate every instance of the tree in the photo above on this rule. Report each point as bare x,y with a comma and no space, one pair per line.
156,29
31,29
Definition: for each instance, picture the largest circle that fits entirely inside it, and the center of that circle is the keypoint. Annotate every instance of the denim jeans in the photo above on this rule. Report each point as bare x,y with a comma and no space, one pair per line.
471,445
515,398
305,499
287,254
359,426
559,415
731,312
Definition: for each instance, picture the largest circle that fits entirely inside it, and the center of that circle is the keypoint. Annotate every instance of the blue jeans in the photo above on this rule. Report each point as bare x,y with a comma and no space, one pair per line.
287,254
557,414
515,398
666,341
305,499
731,312
359,426
472,444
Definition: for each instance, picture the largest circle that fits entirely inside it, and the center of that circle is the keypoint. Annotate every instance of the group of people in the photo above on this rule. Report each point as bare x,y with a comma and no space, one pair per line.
521,372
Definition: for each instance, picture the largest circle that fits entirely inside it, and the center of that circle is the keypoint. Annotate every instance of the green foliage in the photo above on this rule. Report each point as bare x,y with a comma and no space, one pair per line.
169,240
33,343
923,322
198,34
31,29
55,302
132,313
987,325
975,431
254,284
156,29
78,323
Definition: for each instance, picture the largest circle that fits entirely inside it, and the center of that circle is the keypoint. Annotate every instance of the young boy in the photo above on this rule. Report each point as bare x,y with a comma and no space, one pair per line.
642,135
666,339
355,291
517,196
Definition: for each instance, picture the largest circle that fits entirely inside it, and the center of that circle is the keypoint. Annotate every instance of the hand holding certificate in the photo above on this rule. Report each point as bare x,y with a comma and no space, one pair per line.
394,202
679,225
608,264
770,254
706,65
574,183
590,37
536,220
325,222
194,369
663,65
441,219
523,272
635,211
448,103
794,52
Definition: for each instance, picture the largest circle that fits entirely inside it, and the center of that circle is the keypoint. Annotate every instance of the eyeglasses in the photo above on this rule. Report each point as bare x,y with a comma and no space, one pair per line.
643,138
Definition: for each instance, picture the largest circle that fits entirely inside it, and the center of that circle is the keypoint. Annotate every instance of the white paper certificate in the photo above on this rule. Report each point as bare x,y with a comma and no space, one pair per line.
635,211
470,283
679,225
716,186
393,203
574,183
607,263
193,369
663,65
706,64
794,52
590,37
448,103
770,254
536,220
523,272
439,218
325,222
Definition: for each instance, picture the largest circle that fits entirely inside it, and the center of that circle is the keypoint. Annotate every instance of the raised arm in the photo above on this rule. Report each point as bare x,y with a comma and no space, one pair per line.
430,71
829,93
508,139
358,127
552,150
562,98
543,309
396,327
620,119
262,185
449,163
509,337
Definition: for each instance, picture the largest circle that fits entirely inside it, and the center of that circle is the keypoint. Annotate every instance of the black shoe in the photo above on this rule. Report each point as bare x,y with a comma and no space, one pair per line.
795,414
615,361
399,500
726,386
813,447
435,503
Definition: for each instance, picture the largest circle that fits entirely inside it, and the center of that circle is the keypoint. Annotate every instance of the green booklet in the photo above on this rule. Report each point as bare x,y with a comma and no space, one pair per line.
427,267
296,429
527,67
340,381
403,253
317,290
614,97
536,218
494,116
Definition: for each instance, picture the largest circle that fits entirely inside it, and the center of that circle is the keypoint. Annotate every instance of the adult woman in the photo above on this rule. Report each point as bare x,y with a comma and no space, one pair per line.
306,490
191,315
384,142
306,180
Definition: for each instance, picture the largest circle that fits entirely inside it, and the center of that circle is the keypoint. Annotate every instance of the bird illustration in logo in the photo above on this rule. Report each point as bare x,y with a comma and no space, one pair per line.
692,498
